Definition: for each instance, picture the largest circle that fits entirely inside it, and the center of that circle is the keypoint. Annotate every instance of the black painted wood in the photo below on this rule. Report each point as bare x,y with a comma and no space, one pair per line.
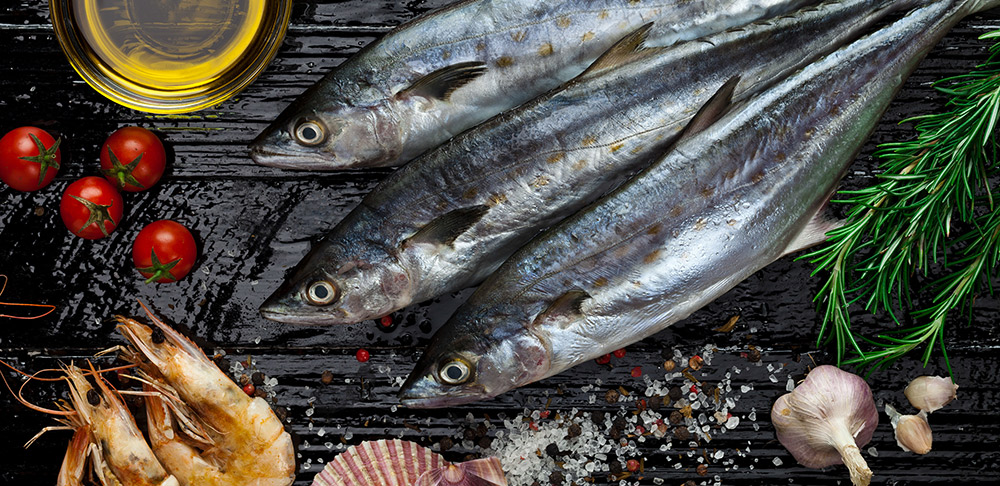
253,223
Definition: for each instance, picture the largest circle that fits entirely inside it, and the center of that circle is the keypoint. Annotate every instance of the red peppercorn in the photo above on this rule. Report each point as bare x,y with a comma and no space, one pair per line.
637,372
640,429
604,359
632,465
544,414
533,426
249,389
362,355
619,353
694,388
386,321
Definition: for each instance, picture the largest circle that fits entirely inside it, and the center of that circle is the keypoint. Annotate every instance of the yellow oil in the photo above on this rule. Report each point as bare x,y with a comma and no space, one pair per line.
169,44
149,54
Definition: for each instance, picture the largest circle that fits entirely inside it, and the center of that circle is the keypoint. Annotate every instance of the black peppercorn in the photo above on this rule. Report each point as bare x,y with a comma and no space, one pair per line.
446,443
574,431
675,393
553,450
557,478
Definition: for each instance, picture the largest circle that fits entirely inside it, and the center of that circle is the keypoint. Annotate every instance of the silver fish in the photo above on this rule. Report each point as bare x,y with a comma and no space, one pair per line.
440,74
450,218
725,202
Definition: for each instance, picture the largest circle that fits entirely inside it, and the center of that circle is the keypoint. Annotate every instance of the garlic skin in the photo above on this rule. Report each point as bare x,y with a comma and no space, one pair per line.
930,393
826,420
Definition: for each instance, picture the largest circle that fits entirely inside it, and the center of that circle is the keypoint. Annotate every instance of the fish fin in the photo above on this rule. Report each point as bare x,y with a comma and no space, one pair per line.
446,228
442,83
563,308
814,232
627,49
718,105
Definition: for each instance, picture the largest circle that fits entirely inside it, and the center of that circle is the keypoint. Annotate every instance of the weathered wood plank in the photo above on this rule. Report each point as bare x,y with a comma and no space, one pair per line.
254,223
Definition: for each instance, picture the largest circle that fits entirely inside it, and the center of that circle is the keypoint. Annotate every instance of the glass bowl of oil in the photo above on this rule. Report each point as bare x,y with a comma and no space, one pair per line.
169,56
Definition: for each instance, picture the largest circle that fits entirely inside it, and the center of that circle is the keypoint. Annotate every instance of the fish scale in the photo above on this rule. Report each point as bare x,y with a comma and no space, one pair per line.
725,202
369,111
450,218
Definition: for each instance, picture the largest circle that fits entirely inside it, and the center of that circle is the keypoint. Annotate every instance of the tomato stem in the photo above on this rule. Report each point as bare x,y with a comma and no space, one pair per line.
46,157
122,172
159,270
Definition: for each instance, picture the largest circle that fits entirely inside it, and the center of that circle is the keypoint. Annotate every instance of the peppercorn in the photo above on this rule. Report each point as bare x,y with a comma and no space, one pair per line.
557,477
676,417
327,377
702,469
446,443
654,402
689,483
636,372
675,393
257,378
485,442
754,355
481,430
469,434
632,465
611,396
615,468
553,450
695,362
598,417
669,365
603,359
249,389
574,431
615,432
362,355
620,423
682,433
619,353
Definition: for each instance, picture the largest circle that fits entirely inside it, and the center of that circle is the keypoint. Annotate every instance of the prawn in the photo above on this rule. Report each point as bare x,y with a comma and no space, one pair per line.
106,433
238,440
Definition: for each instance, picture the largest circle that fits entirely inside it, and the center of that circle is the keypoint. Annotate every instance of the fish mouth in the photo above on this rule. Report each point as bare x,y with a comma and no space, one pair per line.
291,160
424,392
280,314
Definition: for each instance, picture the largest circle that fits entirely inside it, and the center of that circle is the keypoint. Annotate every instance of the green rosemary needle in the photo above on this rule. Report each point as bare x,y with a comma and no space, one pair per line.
903,225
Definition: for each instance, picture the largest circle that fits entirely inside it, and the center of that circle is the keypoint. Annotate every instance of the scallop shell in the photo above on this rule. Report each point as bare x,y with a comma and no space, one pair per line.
379,463
481,472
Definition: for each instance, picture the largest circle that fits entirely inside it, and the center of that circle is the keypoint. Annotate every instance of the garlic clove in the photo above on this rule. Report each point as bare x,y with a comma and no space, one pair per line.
930,393
913,433
826,420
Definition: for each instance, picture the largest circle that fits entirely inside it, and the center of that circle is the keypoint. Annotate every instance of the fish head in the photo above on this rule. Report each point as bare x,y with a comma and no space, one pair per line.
476,357
334,285
332,137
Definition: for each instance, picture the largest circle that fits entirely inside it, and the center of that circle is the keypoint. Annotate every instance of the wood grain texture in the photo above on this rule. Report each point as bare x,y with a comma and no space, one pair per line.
254,223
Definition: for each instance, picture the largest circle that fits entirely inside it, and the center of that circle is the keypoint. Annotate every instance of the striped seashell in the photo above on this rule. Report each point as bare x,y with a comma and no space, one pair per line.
481,472
379,463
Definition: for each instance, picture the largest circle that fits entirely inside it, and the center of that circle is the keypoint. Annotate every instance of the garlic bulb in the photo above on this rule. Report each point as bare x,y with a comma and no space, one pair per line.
826,420
929,393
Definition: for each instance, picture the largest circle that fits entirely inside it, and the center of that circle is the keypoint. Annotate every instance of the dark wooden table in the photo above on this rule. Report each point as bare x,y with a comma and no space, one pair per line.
254,223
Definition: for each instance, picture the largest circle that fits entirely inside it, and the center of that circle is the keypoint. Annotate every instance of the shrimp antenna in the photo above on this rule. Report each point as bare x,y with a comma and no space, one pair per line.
19,395
4,286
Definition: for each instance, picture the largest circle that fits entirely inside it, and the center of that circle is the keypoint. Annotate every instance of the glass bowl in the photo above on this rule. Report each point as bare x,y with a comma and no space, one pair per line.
169,57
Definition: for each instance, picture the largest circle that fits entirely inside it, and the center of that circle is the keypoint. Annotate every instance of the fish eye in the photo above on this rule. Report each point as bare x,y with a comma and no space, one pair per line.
321,292
454,372
310,133
93,397
157,336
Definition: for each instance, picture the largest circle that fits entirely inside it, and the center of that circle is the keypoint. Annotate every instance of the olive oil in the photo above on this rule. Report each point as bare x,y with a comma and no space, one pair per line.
169,55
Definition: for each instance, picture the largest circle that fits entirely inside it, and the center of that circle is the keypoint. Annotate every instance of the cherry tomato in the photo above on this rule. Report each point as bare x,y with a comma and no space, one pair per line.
91,208
29,158
133,159
164,251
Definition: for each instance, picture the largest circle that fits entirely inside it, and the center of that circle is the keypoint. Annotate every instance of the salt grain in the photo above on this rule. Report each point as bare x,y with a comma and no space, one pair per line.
777,461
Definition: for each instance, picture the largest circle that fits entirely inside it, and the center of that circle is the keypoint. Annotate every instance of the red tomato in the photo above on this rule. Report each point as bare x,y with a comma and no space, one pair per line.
164,251
133,159
29,158
91,208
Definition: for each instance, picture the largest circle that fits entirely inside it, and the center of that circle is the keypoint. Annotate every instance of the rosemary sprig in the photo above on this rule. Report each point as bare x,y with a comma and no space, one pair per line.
903,224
